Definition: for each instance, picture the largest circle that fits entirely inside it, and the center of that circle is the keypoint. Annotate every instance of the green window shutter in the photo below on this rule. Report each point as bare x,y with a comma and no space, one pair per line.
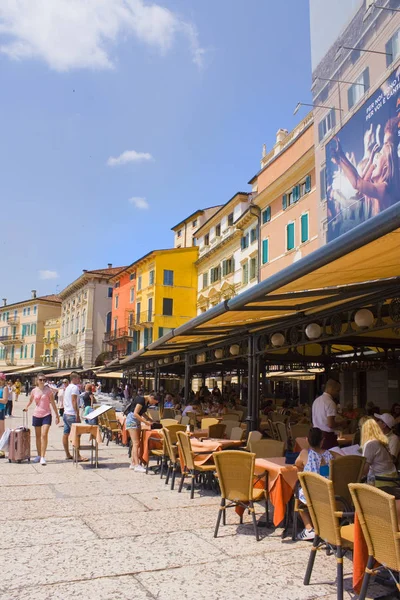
160,331
265,252
265,216
290,236
268,211
224,268
296,193
308,184
304,228
284,201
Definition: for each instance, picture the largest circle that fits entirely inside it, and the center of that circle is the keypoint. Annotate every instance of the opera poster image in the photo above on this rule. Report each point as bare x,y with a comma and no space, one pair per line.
362,161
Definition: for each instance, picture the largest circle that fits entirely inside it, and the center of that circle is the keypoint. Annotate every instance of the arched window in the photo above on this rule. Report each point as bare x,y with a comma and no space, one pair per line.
78,322
72,324
67,327
80,361
74,363
63,329
108,322
83,319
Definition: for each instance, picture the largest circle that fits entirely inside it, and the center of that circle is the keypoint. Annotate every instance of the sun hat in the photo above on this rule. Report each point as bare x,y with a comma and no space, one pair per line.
386,418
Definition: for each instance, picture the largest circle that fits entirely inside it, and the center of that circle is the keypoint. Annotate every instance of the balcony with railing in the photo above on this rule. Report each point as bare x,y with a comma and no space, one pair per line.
13,321
68,342
16,338
11,362
145,317
118,334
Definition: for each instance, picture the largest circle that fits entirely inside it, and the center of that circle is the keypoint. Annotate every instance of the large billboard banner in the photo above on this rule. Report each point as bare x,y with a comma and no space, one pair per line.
362,161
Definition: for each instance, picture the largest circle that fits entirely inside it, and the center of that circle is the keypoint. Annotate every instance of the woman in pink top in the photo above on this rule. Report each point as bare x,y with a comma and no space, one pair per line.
43,396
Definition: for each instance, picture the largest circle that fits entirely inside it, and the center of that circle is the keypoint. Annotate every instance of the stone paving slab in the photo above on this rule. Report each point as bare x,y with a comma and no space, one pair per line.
24,492
125,587
43,532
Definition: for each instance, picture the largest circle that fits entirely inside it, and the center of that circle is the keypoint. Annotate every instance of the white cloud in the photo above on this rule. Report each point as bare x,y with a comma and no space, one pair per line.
129,156
71,34
140,203
45,274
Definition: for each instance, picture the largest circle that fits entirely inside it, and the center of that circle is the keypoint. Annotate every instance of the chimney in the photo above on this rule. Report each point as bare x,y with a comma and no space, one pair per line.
109,265
84,270
281,134
33,294
4,301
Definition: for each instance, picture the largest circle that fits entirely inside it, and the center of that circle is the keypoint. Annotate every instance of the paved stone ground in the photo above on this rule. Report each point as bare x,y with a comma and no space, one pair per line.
114,534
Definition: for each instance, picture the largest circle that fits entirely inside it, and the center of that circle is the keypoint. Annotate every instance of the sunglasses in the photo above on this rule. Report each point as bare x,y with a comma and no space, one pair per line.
41,379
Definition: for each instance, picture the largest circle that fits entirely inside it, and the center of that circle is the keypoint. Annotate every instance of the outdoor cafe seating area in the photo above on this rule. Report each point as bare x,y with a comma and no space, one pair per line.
254,474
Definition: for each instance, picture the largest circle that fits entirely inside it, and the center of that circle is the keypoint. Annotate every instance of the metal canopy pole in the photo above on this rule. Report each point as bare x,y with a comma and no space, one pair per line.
250,385
187,379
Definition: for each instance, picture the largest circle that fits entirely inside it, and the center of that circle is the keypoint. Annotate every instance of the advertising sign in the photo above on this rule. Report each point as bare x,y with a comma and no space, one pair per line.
362,161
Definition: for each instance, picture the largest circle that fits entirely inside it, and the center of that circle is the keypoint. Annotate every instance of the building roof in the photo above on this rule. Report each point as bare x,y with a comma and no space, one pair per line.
222,208
79,281
49,298
199,211
133,265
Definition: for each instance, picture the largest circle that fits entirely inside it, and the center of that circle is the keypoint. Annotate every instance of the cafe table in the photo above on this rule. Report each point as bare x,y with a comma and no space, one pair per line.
79,429
121,418
281,482
152,439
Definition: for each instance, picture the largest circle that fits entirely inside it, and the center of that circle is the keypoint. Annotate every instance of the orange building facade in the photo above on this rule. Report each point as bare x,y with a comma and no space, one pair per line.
285,192
119,339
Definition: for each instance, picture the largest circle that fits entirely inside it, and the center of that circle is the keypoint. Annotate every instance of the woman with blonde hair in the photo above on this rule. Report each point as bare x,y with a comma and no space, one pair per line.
375,448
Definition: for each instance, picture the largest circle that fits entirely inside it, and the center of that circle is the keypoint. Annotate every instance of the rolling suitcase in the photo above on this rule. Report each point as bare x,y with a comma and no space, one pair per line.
19,447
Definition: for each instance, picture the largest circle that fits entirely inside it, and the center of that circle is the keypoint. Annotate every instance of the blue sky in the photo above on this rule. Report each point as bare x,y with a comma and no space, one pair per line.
181,93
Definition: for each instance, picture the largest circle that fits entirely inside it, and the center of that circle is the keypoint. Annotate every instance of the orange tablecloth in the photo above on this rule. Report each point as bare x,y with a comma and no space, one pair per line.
78,429
151,439
121,418
360,556
301,443
282,480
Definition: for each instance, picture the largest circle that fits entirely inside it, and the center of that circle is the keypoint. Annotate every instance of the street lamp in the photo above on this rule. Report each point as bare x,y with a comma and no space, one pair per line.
338,52
299,104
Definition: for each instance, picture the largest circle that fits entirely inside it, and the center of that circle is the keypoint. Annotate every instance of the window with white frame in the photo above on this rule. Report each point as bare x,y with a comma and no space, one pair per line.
245,272
392,48
116,301
326,124
132,295
357,90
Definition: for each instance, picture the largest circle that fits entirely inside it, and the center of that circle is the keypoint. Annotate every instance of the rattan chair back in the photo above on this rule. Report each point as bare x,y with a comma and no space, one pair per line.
321,504
206,422
170,449
217,430
231,416
235,474
376,511
173,430
168,413
344,470
299,430
229,426
153,414
254,436
166,422
282,431
267,448
237,433
186,449
185,420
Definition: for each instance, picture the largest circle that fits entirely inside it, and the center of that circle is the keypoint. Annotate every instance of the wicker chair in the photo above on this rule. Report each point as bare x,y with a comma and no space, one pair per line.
161,456
376,511
153,414
206,422
280,427
235,471
267,448
185,421
166,422
173,430
229,426
232,416
172,453
321,503
168,413
342,471
237,433
254,436
217,430
113,427
299,430
189,467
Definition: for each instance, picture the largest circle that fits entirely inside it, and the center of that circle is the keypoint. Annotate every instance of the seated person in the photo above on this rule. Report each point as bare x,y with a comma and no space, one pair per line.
375,448
386,423
169,401
311,460
395,412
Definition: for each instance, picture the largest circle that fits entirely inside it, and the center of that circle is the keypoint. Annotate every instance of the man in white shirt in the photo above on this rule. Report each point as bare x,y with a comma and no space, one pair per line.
324,413
71,411
386,422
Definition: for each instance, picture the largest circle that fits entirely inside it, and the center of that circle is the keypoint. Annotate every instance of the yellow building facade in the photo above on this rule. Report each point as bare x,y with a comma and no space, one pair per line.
52,329
166,293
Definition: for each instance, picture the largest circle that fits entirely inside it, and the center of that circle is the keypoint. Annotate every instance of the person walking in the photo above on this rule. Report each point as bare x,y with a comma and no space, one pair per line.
17,389
60,398
3,401
27,388
134,420
71,412
324,413
9,405
43,397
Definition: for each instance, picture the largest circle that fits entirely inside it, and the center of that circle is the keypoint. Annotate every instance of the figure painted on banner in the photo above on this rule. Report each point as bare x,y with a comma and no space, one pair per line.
43,397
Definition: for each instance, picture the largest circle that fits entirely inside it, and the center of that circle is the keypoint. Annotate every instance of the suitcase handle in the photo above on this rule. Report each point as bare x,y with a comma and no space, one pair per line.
25,420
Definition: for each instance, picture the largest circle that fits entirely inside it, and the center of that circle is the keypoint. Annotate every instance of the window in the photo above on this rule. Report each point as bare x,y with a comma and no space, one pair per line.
29,310
266,215
207,239
218,230
265,251
215,274
322,180
168,307
25,351
194,223
228,266
110,291
179,232
147,336
290,236
354,56
393,48
117,284
131,295
150,309
21,352
284,202
34,310
151,277
358,89
139,283
138,312
230,219
72,324
308,184
304,228
116,301
132,276
245,273
83,319
67,327
244,242
327,124
115,325
78,320
32,350
160,331
253,235
168,277
253,268
205,280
